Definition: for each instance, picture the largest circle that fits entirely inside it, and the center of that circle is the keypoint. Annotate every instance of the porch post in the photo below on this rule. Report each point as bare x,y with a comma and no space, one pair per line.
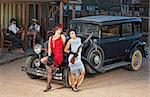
53,11
6,16
23,13
24,21
10,11
2,15
19,13
61,12
1,26
14,10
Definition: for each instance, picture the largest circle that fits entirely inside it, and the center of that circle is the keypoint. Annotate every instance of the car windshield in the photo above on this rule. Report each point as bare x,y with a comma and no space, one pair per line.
85,28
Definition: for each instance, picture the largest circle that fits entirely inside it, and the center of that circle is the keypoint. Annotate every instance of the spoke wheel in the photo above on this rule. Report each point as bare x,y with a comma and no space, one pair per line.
136,61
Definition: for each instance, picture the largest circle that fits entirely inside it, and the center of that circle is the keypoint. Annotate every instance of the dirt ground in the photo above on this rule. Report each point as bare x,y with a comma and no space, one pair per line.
115,83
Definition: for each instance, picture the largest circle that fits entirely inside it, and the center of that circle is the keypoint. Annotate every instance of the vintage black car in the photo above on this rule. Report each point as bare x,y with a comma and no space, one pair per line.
116,42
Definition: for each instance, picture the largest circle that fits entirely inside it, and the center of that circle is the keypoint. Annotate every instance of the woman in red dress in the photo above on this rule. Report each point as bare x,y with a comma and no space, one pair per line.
55,49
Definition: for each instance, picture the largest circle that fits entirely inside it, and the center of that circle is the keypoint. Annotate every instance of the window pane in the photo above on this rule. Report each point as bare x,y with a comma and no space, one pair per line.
137,27
110,31
82,28
127,29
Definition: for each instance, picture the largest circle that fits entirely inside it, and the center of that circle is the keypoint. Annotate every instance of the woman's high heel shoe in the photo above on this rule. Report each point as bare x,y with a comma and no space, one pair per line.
47,88
74,89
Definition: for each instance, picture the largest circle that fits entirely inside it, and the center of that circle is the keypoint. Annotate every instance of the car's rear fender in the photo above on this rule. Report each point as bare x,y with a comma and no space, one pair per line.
136,45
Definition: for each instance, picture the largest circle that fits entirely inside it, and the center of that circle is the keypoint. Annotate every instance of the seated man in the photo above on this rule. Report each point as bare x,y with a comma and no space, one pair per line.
34,30
13,35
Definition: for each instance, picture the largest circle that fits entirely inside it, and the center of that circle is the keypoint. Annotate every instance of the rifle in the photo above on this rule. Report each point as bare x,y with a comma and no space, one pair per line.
85,41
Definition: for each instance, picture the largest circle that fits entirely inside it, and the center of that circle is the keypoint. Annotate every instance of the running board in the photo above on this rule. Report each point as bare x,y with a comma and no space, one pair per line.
114,65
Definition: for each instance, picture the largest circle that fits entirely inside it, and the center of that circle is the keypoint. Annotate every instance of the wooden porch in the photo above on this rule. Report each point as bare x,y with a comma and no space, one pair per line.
24,10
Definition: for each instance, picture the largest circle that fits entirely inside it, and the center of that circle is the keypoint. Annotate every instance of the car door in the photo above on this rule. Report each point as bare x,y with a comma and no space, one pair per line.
130,32
111,41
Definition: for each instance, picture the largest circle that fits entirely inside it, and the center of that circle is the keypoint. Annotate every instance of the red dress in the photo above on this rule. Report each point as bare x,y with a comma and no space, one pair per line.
57,51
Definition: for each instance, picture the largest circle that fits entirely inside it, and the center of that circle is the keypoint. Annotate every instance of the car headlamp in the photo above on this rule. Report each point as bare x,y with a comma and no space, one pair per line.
38,48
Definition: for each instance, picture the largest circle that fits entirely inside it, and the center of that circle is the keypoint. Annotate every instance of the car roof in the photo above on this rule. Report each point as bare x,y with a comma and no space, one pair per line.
108,19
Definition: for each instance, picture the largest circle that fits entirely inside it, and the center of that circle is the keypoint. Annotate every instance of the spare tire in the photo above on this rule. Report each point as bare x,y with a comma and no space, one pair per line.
95,58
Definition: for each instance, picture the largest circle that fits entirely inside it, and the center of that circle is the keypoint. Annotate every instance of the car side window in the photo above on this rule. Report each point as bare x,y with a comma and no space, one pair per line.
110,31
94,29
137,27
88,28
127,29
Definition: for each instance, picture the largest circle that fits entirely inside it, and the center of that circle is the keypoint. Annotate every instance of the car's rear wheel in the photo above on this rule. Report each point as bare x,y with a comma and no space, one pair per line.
95,58
32,62
136,60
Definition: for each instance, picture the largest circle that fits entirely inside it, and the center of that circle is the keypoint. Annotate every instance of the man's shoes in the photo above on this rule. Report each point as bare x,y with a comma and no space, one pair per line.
47,88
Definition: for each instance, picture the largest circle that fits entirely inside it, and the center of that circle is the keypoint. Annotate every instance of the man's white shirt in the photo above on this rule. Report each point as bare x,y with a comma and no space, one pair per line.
37,28
12,27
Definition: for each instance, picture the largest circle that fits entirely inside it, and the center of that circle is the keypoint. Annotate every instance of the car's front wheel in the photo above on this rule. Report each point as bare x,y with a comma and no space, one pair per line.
136,60
32,62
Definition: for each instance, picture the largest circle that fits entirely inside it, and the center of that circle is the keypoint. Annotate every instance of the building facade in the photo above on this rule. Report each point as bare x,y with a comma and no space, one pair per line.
49,12
43,10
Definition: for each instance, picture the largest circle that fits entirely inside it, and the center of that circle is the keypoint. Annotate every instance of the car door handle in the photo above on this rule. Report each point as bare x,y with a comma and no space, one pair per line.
122,38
